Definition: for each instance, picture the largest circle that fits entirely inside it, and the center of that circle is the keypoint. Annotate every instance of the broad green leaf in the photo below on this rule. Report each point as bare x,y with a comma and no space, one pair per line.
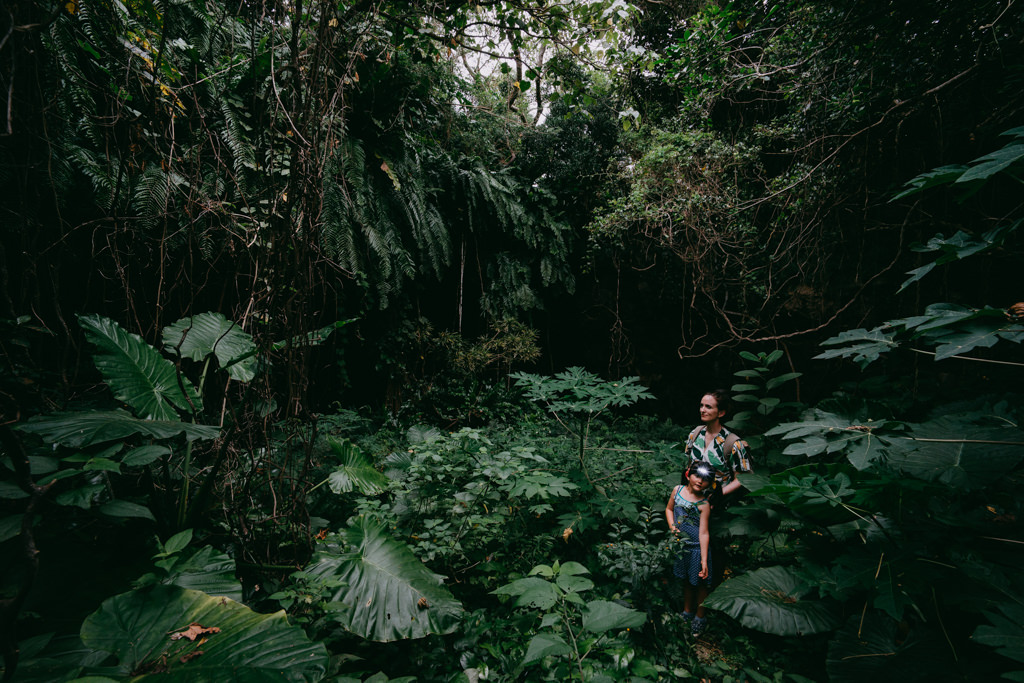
1006,632
42,464
865,346
11,491
10,526
531,592
388,593
939,176
573,568
957,451
141,630
944,315
102,464
890,597
57,476
356,471
973,336
773,600
136,372
573,583
876,648
144,455
81,429
198,336
125,508
177,542
781,379
810,446
602,615
314,338
994,162
959,246
543,485
916,274
82,497
865,450
544,644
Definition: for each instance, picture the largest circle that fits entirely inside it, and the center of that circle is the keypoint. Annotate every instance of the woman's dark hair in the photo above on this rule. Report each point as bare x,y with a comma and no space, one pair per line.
721,398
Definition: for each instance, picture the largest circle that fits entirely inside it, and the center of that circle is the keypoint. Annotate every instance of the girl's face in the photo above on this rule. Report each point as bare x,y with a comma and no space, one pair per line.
709,412
698,484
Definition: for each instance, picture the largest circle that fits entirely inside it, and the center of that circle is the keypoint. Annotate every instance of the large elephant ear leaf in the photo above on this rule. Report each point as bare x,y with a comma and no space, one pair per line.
174,634
879,648
86,428
387,593
956,450
137,373
772,600
198,336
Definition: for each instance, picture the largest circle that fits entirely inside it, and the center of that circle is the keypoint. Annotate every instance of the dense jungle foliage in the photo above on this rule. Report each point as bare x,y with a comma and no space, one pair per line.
360,341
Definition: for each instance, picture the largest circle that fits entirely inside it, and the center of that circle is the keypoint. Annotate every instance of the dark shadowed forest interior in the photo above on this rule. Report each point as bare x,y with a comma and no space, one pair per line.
363,341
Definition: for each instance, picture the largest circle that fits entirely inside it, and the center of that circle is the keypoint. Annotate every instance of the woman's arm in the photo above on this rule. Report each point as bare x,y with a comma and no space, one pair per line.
705,540
670,511
731,486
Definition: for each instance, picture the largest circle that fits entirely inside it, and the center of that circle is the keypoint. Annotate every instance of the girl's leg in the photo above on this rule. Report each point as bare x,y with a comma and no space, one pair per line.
701,593
690,601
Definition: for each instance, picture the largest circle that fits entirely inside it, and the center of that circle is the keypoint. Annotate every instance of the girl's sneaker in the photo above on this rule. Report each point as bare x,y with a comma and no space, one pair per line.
687,616
699,624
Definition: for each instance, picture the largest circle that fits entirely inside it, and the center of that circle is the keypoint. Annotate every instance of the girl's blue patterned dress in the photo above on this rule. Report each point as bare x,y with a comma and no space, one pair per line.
687,516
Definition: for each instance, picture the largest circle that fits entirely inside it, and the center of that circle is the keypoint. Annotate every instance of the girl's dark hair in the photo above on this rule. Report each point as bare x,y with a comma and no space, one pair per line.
721,398
701,469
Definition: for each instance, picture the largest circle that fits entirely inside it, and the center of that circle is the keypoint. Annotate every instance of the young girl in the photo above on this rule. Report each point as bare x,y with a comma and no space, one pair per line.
687,512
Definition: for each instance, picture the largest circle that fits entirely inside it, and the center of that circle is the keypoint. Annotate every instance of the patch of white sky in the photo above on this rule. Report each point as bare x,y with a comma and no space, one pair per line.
484,53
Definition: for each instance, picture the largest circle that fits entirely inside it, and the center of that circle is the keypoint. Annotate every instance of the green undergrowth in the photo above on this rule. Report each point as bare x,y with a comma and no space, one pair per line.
351,548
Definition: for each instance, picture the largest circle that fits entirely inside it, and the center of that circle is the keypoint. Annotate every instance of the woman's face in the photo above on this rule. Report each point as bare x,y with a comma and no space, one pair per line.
709,412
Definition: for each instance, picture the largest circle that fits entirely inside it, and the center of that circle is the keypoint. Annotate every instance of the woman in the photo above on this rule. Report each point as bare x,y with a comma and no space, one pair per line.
715,445
711,443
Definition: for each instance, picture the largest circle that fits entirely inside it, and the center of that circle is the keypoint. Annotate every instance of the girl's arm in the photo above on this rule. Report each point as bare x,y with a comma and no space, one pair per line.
705,539
670,511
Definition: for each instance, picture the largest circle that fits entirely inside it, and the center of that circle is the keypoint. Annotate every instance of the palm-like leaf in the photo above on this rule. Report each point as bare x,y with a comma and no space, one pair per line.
81,429
771,600
356,471
137,373
208,570
198,336
1006,634
387,594
139,629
